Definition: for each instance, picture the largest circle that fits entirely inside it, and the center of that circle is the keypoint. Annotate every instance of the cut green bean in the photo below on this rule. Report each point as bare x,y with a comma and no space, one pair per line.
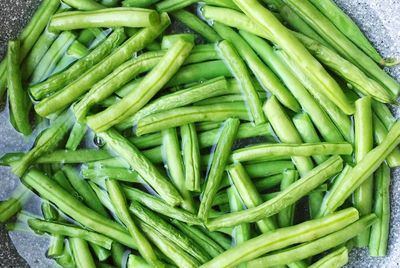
106,18
335,259
378,242
139,3
75,137
142,166
18,98
191,114
169,40
56,82
191,157
80,86
172,5
218,163
317,246
148,87
380,132
80,250
120,174
11,206
240,72
74,157
364,169
286,215
84,4
265,76
230,98
303,232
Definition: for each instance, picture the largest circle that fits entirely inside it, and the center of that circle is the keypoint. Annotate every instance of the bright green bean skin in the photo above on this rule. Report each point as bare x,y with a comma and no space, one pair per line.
159,206
139,3
297,51
197,25
121,208
259,151
264,75
191,157
45,143
191,114
284,237
344,46
141,165
104,18
219,161
75,137
172,155
11,206
84,4
74,90
384,114
319,117
317,246
292,194
80,250
68,204
61,79
240,72
364,169
18,99
56,245
364,143
172,5
70,231
286,215
249,194
147,88
380,132
336,259
378,242
169,40
120,174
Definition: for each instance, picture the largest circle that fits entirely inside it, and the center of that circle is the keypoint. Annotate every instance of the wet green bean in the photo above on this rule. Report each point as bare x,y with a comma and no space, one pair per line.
191,157
335,259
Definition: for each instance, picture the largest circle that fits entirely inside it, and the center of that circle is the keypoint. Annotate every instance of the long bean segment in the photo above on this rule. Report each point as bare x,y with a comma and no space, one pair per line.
107,18
147,88
337,258
191,157
281,238
84,4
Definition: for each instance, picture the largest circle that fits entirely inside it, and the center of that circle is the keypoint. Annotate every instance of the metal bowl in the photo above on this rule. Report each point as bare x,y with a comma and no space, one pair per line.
378,18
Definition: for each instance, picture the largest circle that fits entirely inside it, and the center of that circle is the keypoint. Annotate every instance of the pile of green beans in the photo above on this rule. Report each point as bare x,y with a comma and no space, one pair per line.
197,148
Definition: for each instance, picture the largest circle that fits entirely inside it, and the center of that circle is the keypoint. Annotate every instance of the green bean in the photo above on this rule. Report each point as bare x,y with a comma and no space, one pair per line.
204,126
69,230
80,86
121,209
147,141
286,215
75,137
84,4
62,79
249,194
351,73
197,235
196,24
222,3
171,250
223,239
363,144
84,190
101,254
364,169
268,182
317,246
293,193
87,36
156,204
11,206
148,87
230,98
52,57
264,75
200,72
80,250
102,196
191,157
172,5
218,163
380,133
48,211
239,70
74,157
169,40
214,87
335,259
120,174
174,164
344,46
348,27
185,115
142,166
139,3
117,254
241,232
64,200
319,117
36,54
75,52
259,151
18,99
62,180
341,120
170,232
66,260
303,232
308,133
380,230
106,18
384,114
46,142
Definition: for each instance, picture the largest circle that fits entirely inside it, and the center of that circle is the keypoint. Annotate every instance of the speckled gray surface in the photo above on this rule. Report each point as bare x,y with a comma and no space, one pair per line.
378,18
